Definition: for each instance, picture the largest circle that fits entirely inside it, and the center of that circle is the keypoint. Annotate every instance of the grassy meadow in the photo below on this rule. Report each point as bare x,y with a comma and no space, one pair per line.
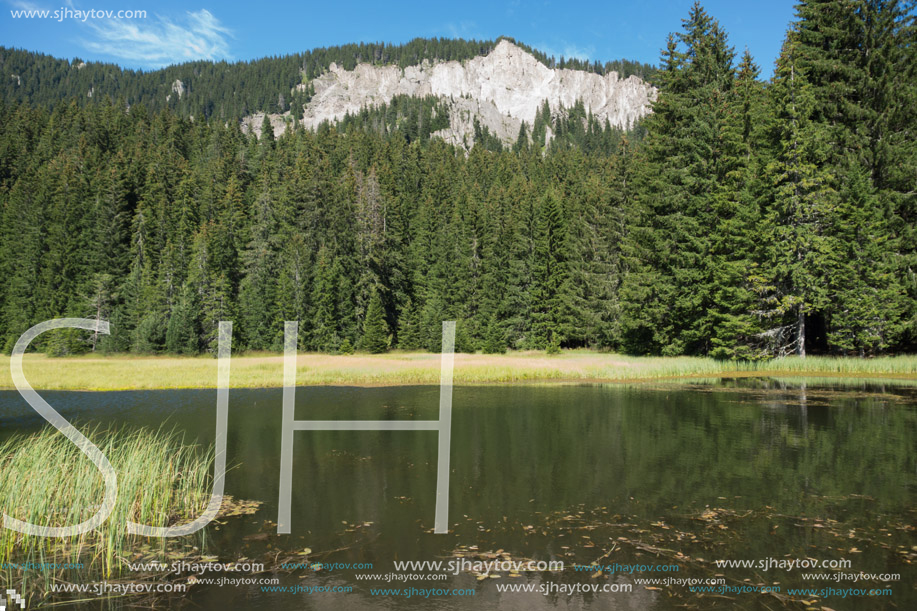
262,370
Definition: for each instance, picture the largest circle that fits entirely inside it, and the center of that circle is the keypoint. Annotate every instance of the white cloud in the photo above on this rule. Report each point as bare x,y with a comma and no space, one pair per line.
463,29
157,41
568,51
24,6
584,53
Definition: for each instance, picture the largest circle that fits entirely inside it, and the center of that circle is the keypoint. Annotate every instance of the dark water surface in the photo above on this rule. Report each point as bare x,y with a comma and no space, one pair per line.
680,474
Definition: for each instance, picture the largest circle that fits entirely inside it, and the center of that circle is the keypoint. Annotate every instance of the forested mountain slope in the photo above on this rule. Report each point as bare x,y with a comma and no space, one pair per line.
750,220
230,91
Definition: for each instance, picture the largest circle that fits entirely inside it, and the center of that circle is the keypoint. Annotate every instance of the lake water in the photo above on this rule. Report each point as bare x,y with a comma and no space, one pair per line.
761,470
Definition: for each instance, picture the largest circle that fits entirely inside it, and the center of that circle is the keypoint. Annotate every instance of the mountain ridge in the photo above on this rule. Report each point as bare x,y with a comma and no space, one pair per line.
501,90
233,91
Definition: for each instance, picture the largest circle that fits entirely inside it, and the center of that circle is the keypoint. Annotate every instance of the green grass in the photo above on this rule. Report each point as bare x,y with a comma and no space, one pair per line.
46,480
121,372
695,366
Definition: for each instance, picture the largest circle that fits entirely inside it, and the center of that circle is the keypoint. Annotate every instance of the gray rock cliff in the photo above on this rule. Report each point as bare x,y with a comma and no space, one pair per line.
502,90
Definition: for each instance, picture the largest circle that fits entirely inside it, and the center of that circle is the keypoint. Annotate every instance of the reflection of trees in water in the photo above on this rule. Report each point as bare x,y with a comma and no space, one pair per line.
522,453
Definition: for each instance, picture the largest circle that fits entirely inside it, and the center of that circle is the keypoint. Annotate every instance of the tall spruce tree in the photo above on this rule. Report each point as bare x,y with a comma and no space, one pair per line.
375,329
553,296
858,59
678,296
801,202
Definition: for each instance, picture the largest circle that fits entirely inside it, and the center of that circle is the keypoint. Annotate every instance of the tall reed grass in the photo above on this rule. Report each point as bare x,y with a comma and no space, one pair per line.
46,480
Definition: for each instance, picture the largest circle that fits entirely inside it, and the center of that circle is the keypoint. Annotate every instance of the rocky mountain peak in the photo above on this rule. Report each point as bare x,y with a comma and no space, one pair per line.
501,90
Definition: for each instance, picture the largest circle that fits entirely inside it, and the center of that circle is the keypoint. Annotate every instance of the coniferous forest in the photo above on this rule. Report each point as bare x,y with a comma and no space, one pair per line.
744,219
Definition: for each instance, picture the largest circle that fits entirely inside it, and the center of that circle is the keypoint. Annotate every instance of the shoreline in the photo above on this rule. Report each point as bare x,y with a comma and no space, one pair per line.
265,370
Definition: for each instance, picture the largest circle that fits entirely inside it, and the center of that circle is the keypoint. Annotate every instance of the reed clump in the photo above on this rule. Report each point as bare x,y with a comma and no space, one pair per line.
46,480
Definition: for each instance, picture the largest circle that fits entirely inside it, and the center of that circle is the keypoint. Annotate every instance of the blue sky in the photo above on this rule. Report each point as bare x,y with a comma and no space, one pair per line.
196,29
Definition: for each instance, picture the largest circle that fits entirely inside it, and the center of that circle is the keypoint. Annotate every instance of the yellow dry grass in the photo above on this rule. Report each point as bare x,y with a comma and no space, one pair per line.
261,370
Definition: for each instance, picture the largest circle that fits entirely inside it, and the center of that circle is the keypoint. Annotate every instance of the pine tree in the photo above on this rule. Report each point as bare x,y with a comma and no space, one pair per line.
99,301
802,201
733,327
375,329
293,283
553,309
494,341
182,331
522,140
267,132
325,317
22,248
520,237
257,300
867,301
859,59
674,297
409,336
553,346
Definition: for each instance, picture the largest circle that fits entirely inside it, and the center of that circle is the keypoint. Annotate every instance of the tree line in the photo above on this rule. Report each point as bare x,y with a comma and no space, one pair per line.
233,90
748,220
